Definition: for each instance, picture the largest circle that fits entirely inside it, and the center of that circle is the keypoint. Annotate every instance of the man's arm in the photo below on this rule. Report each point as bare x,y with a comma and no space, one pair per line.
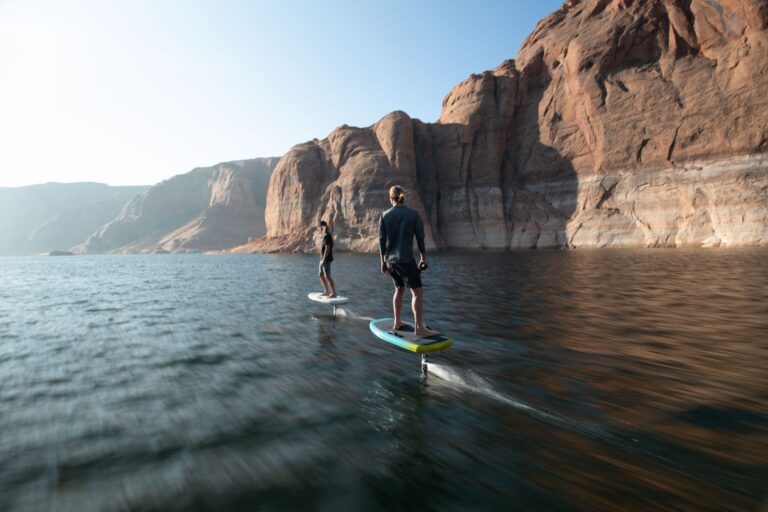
382,244
419,231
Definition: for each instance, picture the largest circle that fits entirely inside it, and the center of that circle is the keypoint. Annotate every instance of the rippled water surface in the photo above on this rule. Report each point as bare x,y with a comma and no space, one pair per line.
606,380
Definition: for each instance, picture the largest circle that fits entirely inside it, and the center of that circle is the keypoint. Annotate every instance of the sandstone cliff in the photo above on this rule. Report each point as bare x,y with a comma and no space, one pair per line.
620,123
56,216
207,208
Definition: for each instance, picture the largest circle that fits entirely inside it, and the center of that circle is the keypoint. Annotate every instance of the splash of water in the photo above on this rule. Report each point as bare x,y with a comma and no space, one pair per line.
349,313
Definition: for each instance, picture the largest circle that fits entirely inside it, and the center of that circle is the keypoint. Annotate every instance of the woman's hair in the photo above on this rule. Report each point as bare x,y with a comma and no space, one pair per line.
397,193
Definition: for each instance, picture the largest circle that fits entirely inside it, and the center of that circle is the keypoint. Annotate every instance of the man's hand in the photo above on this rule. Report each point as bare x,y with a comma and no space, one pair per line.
384,269
422,262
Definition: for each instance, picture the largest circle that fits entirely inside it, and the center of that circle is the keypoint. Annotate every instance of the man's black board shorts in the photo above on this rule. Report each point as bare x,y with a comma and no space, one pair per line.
405,274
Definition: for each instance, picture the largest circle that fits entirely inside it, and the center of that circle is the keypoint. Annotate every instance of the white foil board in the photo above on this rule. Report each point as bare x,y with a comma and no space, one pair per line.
318,297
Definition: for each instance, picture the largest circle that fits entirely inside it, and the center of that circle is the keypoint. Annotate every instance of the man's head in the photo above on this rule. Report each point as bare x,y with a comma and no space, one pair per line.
396,195
324,226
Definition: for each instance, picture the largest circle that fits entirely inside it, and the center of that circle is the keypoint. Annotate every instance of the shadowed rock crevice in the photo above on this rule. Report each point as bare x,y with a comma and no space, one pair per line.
542,183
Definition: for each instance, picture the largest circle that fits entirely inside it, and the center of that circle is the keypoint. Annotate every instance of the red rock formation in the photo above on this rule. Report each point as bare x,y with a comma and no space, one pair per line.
660,108
621,123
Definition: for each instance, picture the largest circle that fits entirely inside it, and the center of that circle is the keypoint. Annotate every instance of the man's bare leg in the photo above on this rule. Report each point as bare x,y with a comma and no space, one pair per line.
417,304
332,286
325,285
397,305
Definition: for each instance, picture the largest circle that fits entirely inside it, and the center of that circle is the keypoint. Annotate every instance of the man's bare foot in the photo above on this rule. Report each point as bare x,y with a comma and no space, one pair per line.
400,327
324,294
425,333
332,295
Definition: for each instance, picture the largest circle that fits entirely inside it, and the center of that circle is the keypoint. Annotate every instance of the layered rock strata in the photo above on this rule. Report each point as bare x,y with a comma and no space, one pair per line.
621,123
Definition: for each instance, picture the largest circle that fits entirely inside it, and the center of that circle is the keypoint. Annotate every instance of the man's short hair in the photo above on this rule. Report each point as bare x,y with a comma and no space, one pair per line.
397,193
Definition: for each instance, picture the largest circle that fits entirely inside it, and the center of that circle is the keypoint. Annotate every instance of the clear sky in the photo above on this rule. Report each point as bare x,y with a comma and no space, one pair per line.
136,91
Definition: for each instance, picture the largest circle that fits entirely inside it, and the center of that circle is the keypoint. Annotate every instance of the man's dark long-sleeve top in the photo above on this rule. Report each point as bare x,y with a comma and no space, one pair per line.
397,227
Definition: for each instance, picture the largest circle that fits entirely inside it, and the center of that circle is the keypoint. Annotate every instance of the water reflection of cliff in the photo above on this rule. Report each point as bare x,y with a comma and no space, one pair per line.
664,351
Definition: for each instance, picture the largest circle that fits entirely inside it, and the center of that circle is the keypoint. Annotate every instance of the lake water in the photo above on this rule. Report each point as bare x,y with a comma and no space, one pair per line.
581,380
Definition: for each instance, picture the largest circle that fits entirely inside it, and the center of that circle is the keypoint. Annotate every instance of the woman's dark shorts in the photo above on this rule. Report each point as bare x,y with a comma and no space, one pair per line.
405,274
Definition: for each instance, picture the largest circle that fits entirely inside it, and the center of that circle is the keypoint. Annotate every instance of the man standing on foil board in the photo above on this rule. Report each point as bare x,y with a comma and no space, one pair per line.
397,228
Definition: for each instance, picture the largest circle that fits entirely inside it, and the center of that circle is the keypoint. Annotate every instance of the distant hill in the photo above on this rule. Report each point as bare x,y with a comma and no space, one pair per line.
208,208
56,216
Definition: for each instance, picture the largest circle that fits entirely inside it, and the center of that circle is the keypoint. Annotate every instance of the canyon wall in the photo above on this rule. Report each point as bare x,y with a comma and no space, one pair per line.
56,216
209,208
621,123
